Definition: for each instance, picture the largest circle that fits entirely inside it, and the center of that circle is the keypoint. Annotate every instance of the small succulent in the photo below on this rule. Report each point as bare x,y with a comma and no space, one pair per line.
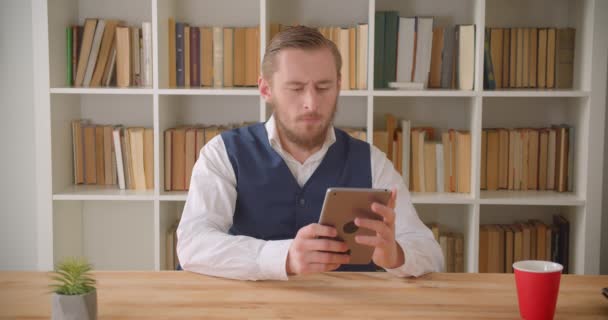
72,277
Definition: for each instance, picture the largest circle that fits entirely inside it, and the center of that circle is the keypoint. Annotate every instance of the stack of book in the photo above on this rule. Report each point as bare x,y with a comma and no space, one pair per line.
528,58
452,247
105,53
182,149
110,155
502,245
528,159
352,42
427,165
213,56
409,52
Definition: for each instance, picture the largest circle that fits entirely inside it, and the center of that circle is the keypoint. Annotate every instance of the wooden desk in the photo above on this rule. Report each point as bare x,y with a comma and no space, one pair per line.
156,295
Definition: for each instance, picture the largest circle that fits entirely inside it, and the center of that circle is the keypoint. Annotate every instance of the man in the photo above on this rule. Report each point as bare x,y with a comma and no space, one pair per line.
256,192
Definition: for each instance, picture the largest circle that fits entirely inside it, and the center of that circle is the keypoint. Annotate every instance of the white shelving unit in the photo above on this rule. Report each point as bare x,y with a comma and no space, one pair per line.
118,229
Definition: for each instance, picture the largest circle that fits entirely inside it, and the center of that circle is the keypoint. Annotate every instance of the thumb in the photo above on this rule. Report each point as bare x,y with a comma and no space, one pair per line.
392,202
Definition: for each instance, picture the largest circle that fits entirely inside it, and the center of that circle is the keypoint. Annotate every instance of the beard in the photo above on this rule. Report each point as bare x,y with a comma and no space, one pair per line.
303,139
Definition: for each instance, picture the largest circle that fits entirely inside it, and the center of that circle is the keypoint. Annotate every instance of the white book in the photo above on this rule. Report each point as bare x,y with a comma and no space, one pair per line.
466,57
405,149
101,24
439,165
406,85
405,49
218,57
116,133
147,53
424,44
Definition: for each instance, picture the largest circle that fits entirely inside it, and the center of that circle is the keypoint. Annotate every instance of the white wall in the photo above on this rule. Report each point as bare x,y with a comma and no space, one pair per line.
17,160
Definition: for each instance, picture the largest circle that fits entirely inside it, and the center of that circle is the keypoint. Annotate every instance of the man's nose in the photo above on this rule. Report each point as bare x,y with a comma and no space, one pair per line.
311,99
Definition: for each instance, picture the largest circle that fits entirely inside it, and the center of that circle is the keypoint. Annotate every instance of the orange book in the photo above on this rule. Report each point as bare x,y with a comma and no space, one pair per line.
178,162
190,154
251,51
493,159
168,158
239,56
436,53
90,169
496,52
123,57
99,158
104,52
206,53
149,157
463,159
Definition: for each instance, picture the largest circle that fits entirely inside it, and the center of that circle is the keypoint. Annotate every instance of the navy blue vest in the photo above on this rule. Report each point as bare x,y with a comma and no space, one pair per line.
270,204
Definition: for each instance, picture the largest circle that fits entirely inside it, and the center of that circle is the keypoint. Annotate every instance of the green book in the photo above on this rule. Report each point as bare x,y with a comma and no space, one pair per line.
391,29
379,50
68,32
489,81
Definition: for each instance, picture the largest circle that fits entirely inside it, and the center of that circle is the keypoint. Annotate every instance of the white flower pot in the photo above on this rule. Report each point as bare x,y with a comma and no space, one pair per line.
75,307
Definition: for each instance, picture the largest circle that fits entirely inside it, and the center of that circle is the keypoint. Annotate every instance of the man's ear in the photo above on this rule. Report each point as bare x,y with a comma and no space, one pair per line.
264,87
340,81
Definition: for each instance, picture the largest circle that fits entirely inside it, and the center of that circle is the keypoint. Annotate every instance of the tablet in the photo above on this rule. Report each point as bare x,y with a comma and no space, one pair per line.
342,206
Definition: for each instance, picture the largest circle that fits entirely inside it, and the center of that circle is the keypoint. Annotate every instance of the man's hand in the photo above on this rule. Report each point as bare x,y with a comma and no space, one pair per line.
388,253
309,254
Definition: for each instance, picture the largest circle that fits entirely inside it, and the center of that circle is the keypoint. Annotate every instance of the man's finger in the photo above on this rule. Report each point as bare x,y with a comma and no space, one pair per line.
392,202
384,211
379,227
324,245
316,230
372,241
327,258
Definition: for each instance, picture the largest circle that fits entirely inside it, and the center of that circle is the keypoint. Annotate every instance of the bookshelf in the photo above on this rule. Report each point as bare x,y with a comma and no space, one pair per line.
125,229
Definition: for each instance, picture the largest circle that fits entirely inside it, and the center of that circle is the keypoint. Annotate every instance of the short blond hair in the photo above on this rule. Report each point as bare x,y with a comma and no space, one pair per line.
297,37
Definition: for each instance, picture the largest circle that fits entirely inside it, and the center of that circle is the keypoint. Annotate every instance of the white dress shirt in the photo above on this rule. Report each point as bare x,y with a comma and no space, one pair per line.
205,246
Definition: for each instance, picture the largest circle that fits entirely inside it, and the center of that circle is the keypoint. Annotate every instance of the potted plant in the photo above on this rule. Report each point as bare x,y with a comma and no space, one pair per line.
74,294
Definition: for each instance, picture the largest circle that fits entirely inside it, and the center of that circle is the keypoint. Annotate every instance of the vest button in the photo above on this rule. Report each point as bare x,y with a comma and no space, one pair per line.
302,202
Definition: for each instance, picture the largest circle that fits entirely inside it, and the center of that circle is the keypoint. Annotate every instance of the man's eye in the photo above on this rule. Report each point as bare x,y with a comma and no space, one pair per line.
296,89
323,88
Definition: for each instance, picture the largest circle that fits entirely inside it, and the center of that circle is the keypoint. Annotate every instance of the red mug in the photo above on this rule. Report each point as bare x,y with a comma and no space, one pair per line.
537,288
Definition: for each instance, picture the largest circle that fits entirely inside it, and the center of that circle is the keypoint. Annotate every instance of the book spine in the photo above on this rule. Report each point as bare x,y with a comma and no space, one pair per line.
179,53
68,34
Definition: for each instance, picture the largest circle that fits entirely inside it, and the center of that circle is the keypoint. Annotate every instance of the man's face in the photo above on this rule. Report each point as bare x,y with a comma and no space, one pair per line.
303,94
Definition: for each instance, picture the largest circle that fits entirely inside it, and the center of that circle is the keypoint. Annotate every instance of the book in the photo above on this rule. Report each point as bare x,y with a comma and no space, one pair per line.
123,60
99,30
436,58
85,50
228,57
362,44
466,56
424,42
105,51
405,50
564,58
218,58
